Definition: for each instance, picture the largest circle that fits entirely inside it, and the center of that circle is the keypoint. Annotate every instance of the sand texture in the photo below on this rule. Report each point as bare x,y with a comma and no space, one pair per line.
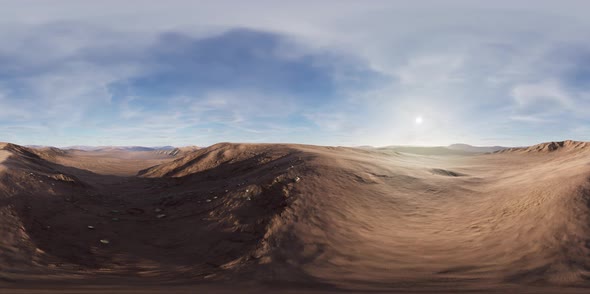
295,218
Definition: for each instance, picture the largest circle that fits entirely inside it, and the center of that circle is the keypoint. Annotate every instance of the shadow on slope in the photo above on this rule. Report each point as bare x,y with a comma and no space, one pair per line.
208,225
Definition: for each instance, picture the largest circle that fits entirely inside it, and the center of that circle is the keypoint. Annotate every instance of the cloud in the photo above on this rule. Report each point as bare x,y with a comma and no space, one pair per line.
542,97
235,82
430,69
359,74
244,59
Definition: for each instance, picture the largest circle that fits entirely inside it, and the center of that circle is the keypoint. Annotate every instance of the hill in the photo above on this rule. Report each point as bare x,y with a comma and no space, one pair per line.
437,151
567,146
332,218
475,149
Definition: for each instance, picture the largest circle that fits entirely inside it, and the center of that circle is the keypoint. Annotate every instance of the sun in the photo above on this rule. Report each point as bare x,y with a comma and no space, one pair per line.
418,120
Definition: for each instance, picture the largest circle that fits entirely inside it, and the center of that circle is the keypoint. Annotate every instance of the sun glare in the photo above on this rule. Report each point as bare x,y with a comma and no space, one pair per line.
418,120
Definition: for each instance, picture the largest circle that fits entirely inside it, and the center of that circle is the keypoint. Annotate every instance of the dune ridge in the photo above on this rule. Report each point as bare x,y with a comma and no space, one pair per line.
568,145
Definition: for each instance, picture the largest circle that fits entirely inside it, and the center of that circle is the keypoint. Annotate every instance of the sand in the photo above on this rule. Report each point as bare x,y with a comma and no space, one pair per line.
299,218
3,157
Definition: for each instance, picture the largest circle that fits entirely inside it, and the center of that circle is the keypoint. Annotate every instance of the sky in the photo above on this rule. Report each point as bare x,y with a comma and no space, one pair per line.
345,73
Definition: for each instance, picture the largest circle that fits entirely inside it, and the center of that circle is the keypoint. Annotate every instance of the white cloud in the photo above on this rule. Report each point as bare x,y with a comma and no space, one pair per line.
424,70
529,118
533,93
339,122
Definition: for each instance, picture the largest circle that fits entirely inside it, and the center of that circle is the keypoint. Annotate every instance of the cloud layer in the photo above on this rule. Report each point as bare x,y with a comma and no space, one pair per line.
334,73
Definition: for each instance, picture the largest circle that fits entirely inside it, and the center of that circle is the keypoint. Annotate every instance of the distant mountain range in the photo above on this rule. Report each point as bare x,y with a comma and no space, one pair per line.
163,150
122,148
454,149
476,149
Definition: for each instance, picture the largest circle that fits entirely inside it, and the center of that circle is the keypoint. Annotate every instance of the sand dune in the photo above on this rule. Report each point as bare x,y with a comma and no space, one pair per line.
568,145
309,218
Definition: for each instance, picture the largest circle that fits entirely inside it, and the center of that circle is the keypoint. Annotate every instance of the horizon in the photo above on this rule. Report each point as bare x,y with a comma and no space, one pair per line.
286,143
384,73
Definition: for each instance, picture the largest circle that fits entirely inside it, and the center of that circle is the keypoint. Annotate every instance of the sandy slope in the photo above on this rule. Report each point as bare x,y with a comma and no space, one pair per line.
293,216
3,157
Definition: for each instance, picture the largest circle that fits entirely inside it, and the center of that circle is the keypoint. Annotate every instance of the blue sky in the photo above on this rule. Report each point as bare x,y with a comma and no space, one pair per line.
317,72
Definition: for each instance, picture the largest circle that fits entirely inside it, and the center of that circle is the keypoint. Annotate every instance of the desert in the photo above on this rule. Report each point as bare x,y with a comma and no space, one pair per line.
331,146
288,217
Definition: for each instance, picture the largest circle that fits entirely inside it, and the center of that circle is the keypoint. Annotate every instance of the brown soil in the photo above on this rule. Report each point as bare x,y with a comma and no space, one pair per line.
268,217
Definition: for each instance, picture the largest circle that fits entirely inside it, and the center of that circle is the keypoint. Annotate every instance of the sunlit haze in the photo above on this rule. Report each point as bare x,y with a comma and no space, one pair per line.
418,120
